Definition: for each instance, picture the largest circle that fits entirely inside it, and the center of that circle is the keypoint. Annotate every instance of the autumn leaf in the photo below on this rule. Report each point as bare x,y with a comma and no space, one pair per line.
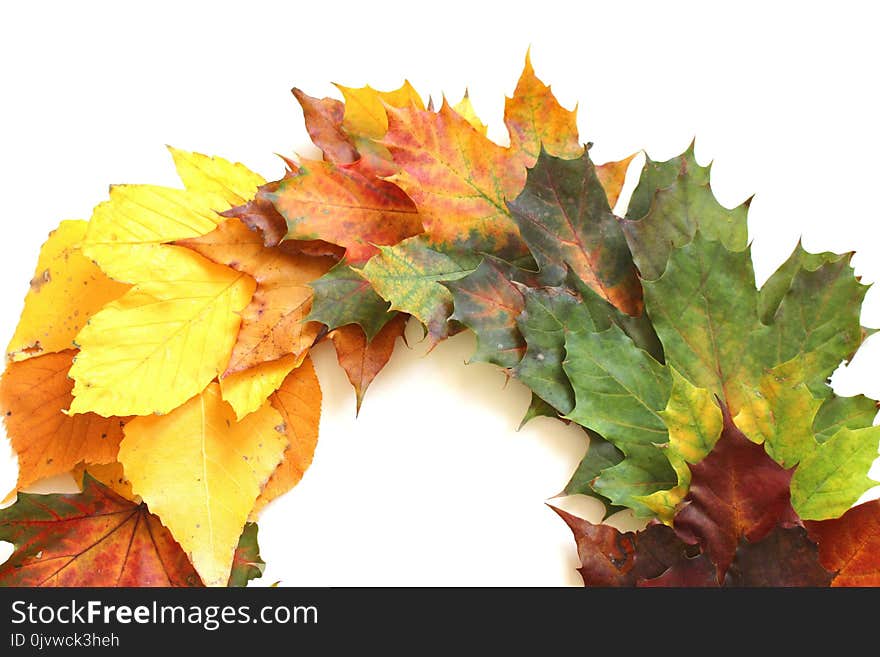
831,478
536,120
298,401
465,108
247,390
144,215
619,393
785,557
409,275
850,545
613,558
343,297
672,201
340,205
564,217
363,358
323,119
164,340
93,538
111,475
33,395
612,176
736,491
66,290
458,179
247,563
274,323
202,471
489,302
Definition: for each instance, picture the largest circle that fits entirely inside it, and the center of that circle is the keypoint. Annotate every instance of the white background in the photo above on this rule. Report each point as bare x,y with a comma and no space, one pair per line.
432,485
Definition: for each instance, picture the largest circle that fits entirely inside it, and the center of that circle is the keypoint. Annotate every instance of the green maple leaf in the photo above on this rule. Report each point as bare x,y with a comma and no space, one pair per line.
671,202
342,296
410,276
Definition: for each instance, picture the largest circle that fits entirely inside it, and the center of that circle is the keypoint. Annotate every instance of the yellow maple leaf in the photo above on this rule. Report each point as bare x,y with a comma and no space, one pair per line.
67,289
364,110
465,108
201,471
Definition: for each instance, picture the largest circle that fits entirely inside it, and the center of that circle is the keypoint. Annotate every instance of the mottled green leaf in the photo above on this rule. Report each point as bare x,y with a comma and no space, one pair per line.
704,309
600,456
537,408
409,275
564,218
488,302
343,297
817,318
542,324
671,202
829,481
839,412
619,392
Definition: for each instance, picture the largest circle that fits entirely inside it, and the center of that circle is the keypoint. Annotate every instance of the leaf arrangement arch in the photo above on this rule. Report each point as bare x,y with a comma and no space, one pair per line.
162,356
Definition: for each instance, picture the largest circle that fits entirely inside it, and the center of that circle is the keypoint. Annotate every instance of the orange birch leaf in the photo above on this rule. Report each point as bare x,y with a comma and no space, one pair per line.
298,400
33,395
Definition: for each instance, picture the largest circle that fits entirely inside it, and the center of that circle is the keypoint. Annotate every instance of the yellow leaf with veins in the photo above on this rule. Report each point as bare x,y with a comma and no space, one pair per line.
164,340
201,471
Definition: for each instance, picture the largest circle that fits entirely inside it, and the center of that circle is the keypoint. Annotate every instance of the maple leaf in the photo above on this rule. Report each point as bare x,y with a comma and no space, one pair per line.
656,557
564,217
458,179
786,557
612,176
830,479
465,108
850,545
202,471
342,297
362,357
274,323
619,392
489,302
736,491
341,205
671,202
536,120
298,401
409,275
93,538
33,396
613,558
67,289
